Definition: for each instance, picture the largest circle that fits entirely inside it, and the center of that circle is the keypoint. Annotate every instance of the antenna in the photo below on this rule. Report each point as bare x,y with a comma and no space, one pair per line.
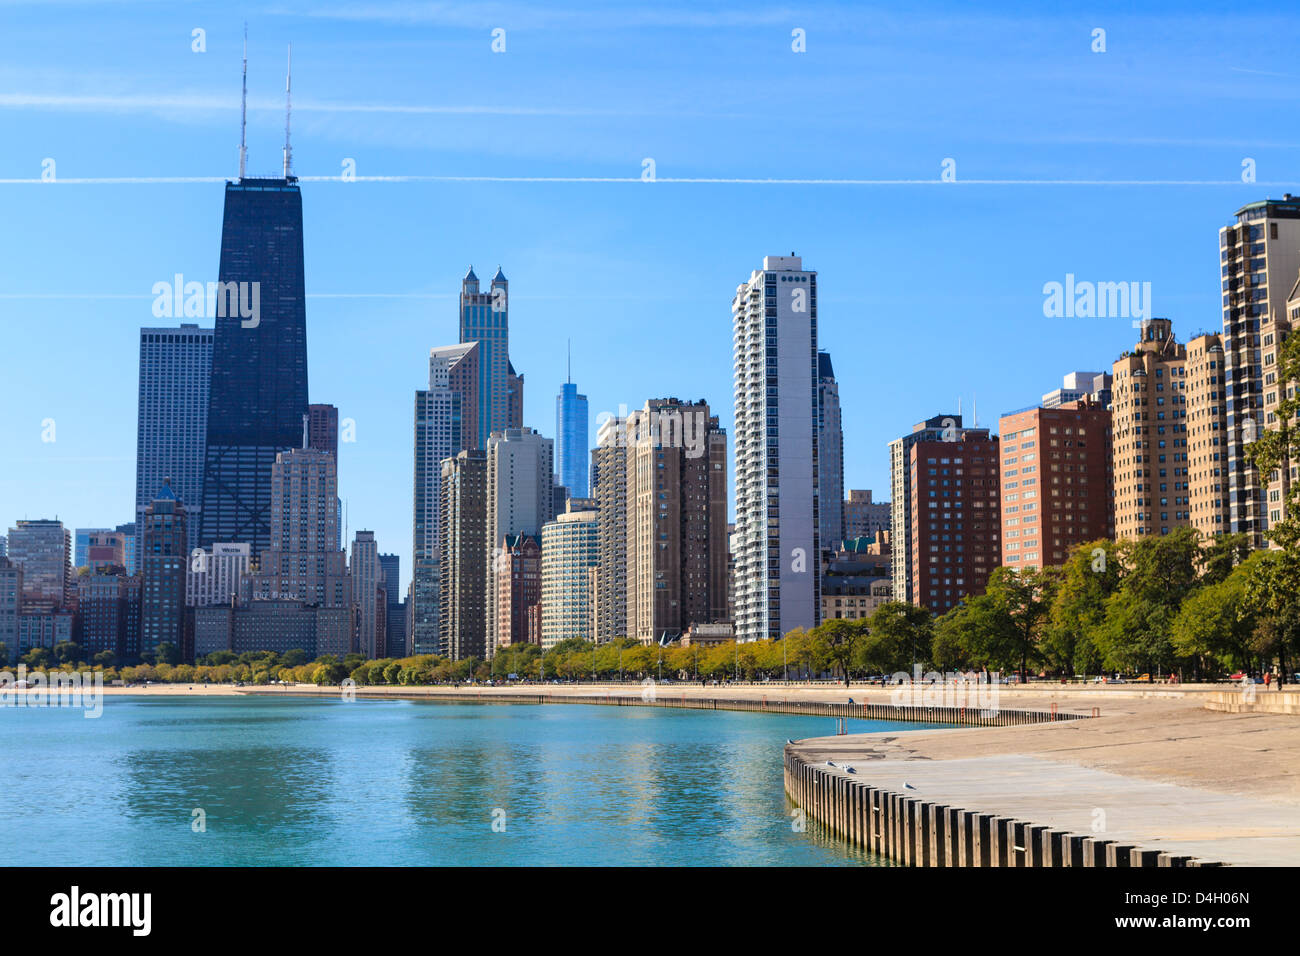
243,112
570,348
288,109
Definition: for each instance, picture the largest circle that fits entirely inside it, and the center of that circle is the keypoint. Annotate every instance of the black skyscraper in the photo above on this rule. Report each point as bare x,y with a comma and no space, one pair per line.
259,362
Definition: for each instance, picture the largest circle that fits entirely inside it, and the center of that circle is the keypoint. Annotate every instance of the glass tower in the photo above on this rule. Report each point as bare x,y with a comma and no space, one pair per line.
571,440
485,319
258,394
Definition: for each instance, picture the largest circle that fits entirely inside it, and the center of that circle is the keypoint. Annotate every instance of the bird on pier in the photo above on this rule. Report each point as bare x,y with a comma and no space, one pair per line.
830,763
789,741
850,700
850,770
908,785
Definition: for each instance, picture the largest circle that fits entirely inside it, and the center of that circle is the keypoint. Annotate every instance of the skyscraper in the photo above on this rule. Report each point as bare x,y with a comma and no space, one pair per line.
902,545
164,558
172,419
953,520
571,440
570,551
777,457
303,562
43,549
609,487
485,319
445,414
258,396
1057,486
323,428
676,520
518,578
1159,388
514,398
1259,258
463,548
390,566
830,448
520,478
367,581
862,516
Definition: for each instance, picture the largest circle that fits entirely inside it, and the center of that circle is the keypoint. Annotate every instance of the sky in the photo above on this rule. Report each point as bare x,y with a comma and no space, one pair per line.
1115,166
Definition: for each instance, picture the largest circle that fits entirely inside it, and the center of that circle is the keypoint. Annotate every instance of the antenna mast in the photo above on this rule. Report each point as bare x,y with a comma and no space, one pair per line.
243,112
288,108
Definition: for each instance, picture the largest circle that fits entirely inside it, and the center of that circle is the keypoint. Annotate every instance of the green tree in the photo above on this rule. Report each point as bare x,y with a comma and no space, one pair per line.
1090,575
898,635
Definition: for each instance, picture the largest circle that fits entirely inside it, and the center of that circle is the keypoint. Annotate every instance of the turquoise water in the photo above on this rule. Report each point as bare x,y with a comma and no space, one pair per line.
318,782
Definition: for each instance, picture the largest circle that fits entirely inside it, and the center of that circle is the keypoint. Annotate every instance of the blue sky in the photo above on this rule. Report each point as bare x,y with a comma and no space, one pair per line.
923,285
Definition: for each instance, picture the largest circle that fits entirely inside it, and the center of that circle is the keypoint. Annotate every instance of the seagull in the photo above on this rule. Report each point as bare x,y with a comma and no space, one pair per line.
830,763
908,785
850,700
788,740
850,770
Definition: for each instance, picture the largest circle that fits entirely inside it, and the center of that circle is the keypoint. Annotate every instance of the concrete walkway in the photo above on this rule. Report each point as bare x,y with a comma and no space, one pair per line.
1161,773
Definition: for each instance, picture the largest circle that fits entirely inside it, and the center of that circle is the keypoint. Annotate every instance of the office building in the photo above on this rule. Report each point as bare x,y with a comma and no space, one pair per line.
258,396
108,613
463,554
390,569
172,419
214,575
446,422
777,457
367,585
830,448
485,319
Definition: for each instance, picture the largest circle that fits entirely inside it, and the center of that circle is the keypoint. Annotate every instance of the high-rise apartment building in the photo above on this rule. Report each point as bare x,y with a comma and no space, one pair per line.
676,555
132,543
485,319
517,567
108,613
463,553
446,416
303,562
172,418
863,518
11,607
43,549
164,559
902,546
520,470
774,318
1167,397
609,487
571,440
514,397
954,517
830,448
258,395
367,583
1057,491
81,544
570,552
1259,259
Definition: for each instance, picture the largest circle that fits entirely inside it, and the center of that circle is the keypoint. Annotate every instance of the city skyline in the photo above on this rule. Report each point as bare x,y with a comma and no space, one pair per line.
384,314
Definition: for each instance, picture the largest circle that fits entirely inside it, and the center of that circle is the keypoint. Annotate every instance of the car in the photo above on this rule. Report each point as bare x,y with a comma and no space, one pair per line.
1240,675
1144,679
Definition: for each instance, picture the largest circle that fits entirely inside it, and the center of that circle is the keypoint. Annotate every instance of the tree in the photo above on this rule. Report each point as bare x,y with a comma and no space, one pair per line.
167,653
898,635
1090,575
838,638
1160,572
67,652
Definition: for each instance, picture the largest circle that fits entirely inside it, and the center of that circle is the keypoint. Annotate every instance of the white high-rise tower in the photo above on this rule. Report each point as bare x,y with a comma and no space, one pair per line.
777,417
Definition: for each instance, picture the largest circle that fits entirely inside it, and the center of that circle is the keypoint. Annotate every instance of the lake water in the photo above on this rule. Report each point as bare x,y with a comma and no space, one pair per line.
319,782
